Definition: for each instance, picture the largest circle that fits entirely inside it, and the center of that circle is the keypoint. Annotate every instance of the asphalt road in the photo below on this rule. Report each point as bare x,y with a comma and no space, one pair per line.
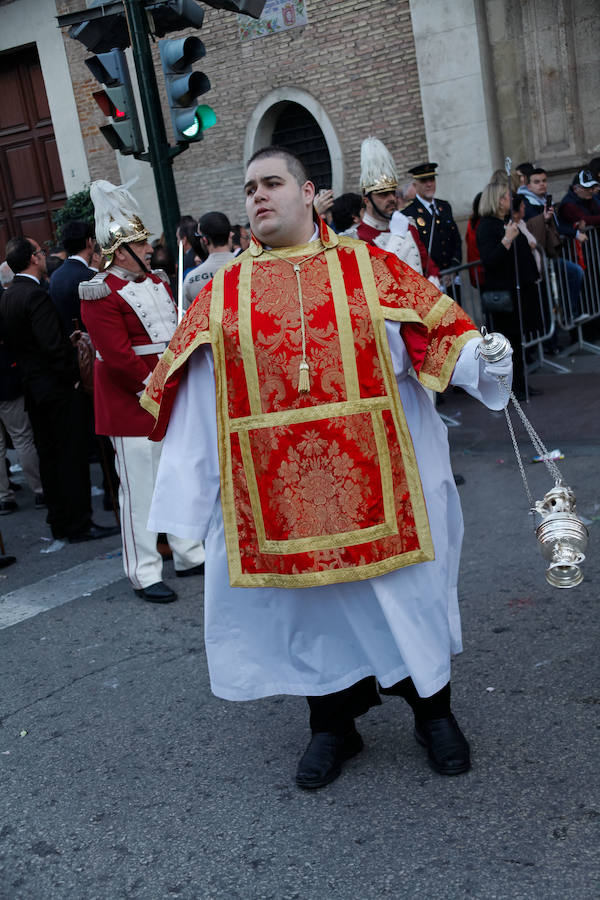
123,777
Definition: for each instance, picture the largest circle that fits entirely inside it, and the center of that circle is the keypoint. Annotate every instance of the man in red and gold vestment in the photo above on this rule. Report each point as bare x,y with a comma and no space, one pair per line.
130,316
318,472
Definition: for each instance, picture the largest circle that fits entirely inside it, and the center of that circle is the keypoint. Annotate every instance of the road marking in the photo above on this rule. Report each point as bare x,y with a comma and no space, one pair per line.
61,588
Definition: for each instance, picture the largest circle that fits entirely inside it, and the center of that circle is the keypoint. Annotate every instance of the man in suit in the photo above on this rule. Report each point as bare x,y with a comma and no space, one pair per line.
435,223
78,241
53,395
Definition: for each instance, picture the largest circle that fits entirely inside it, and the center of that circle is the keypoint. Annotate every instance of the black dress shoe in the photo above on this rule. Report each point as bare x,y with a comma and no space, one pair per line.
447,747
157,593
195,570
7,507
94,532
322,760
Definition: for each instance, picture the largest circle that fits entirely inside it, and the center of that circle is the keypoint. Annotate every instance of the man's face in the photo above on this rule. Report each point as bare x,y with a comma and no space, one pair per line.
426,188
244,238
382,204
279,209
583,192
142,250
38,260
538,184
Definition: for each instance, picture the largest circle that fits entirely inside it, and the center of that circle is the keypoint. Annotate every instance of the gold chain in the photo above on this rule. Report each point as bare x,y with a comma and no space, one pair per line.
304,369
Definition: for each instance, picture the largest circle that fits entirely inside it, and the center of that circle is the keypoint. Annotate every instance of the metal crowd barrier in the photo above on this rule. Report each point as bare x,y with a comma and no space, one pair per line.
559,304
574,311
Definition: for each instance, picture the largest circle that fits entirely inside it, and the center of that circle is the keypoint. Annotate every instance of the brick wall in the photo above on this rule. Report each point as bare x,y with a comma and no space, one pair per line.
355,57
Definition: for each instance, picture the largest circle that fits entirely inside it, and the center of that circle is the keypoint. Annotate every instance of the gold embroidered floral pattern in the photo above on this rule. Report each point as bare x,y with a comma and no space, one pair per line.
323,487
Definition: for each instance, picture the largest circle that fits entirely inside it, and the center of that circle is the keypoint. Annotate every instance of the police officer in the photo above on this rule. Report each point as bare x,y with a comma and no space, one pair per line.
434,220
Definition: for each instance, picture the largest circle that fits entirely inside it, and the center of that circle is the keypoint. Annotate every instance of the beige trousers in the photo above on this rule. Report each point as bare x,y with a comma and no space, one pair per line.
15,420
137,464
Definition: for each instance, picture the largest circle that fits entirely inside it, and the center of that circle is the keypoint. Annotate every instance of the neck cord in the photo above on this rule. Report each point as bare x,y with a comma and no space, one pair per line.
304,369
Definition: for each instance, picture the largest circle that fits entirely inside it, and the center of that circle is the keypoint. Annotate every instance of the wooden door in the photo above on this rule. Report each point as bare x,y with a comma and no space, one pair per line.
31,182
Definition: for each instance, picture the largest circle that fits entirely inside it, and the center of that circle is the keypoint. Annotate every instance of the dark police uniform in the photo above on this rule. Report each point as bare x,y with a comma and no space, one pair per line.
446,246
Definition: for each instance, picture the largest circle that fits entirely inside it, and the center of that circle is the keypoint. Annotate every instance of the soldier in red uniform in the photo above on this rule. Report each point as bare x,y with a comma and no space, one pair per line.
383,225
130,315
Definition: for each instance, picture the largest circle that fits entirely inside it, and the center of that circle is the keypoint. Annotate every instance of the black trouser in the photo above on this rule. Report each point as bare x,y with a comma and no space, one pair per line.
59,425
100,448
336,712
508,324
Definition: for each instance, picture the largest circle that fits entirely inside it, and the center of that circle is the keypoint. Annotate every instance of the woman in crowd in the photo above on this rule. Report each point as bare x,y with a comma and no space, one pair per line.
504,252
476,274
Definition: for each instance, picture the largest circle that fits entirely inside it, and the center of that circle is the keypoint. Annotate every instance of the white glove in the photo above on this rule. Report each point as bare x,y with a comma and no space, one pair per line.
399,224
502,367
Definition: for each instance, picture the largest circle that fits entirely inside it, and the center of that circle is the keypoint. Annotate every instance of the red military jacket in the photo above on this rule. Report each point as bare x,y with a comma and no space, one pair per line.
369,234
320,486
121,314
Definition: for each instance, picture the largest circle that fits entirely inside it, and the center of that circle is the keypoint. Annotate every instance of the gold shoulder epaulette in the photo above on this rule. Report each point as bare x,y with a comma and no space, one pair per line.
95,288
161,274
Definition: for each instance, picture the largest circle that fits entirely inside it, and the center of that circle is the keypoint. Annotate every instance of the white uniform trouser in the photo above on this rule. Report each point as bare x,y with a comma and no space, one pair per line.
137,464
16,421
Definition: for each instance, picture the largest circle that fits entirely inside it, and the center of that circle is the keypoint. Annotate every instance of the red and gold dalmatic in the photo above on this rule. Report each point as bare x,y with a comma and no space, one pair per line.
316,487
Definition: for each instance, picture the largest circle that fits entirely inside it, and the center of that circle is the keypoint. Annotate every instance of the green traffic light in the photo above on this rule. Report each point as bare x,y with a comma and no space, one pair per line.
207,116
204,117
193,130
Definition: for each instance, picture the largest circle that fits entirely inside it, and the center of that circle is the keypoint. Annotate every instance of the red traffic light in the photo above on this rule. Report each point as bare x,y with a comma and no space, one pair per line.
107,106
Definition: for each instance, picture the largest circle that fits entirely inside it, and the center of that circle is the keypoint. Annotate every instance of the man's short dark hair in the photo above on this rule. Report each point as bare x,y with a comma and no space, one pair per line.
294,164
216,227
75,234
536,171
236,239
52,264
162,258
343,209
525,168
186,220
18,254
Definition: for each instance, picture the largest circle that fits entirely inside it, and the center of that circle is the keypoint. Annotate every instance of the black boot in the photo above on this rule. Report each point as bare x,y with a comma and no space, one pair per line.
322,760
447,747
334,735
436,728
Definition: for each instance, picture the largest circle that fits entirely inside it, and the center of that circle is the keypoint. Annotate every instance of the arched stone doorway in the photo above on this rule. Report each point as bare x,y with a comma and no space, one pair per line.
294,119
298,131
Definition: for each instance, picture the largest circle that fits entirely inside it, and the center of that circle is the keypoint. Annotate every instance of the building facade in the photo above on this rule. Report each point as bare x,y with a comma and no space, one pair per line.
464,83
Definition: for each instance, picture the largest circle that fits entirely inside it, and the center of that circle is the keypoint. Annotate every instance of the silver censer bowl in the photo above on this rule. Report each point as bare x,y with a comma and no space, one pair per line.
494,346
562,536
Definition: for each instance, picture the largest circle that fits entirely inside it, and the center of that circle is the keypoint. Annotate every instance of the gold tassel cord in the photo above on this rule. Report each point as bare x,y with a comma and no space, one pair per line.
304,372
304,368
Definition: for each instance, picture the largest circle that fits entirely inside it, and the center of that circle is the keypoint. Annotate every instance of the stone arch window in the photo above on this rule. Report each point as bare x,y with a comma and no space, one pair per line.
294,119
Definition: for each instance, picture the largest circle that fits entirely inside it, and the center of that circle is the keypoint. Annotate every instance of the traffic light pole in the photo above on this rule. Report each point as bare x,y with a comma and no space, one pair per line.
160,153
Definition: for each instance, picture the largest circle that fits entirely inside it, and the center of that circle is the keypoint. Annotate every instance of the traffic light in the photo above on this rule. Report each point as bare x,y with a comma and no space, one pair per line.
184,86
174,15
105,33
117,101
251,8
